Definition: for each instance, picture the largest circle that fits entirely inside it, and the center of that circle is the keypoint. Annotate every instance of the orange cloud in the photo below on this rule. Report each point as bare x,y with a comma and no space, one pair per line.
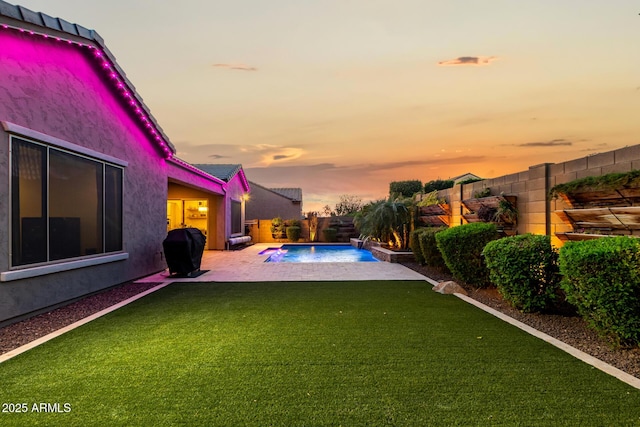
241,67
469,60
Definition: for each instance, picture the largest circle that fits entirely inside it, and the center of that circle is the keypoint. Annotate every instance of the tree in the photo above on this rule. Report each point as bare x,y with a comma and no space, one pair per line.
405,188
348,205
326,211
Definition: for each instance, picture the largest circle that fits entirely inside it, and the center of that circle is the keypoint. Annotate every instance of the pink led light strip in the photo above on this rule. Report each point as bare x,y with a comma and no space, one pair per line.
117,80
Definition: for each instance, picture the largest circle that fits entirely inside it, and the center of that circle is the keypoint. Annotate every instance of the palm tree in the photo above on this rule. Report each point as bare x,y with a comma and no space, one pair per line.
389,221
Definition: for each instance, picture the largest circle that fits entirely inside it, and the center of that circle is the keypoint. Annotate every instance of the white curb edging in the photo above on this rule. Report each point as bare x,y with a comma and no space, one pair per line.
596,363
13,353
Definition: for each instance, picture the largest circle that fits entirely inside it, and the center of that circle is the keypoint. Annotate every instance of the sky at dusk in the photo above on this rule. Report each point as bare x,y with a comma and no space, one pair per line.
345,96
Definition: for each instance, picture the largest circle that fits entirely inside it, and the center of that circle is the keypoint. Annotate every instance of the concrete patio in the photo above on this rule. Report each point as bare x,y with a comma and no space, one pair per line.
247,265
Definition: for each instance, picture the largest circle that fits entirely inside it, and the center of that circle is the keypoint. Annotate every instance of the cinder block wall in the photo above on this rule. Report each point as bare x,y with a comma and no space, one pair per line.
531,187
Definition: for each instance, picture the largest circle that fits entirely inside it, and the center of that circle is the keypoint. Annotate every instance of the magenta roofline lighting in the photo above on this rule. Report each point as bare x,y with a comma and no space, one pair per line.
119,83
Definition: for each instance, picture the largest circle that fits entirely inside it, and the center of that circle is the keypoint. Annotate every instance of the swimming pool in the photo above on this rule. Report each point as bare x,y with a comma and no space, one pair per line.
318,253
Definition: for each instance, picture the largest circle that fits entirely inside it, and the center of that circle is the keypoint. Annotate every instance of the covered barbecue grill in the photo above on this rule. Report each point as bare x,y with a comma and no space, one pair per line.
183,248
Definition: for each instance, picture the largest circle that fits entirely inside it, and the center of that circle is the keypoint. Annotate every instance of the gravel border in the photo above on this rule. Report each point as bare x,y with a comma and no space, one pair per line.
23,332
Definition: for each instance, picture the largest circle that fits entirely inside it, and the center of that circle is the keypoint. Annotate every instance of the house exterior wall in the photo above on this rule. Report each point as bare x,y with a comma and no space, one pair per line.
265,204
535,210
56,89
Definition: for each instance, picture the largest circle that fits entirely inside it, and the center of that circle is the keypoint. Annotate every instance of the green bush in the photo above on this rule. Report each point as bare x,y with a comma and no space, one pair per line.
414,244
293,233
602,279
405,188
461,248
429,247
525,270
330,234
438,184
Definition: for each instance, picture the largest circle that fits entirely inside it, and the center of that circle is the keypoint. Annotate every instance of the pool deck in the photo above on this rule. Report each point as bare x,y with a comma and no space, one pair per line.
247,265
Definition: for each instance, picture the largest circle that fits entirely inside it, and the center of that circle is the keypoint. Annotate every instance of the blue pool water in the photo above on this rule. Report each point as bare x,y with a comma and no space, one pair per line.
319,253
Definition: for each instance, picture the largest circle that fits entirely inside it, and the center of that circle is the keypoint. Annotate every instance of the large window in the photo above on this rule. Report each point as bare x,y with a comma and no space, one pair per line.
62,205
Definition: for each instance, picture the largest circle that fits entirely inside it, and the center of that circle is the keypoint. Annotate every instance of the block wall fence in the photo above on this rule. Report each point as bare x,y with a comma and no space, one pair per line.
260,230
531,187
536,210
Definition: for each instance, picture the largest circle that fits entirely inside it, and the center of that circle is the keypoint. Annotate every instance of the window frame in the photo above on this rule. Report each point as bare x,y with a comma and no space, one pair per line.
106,162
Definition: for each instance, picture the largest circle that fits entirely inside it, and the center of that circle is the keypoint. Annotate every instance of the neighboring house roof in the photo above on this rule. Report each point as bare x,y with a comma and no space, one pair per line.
42,25
293,194
464,176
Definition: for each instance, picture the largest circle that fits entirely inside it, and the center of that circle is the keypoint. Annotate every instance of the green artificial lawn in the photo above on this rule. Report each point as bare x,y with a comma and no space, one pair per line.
307,354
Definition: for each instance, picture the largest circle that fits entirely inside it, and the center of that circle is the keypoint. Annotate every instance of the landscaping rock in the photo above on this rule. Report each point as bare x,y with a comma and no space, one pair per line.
449,287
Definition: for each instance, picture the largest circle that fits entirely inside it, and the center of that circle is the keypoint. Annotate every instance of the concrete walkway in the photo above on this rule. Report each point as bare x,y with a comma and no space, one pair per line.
247,265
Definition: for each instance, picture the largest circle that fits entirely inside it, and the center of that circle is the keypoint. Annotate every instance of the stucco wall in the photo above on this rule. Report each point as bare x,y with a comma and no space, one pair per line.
57,89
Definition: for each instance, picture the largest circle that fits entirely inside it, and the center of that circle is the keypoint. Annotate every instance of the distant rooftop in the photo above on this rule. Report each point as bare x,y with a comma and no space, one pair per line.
294,194
464,177
291,193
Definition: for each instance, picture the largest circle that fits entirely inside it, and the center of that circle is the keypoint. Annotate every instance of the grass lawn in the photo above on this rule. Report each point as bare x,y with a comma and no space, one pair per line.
307,354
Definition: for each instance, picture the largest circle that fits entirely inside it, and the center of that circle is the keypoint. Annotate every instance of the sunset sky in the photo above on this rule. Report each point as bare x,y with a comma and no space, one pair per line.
345,96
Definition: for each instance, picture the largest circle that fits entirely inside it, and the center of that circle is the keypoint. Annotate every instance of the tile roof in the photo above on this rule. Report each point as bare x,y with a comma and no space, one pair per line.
77,33
294,194
222,171
291,193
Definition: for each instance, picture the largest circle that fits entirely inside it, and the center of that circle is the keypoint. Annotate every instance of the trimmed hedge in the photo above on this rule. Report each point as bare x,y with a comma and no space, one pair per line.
461,248
414,244
429,247
602,279
525,270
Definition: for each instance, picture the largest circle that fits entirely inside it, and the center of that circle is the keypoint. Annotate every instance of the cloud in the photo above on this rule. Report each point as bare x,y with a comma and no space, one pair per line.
469,60
248,155
552,143
241,67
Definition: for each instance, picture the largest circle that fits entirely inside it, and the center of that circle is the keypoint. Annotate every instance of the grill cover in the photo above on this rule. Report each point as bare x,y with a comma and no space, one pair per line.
183,248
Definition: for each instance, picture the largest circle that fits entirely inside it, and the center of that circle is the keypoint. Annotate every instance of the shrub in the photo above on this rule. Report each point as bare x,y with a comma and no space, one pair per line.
461,248
525,270
438,184
293,222
602,279
414,244
428,245
405,188
293,233
330,234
